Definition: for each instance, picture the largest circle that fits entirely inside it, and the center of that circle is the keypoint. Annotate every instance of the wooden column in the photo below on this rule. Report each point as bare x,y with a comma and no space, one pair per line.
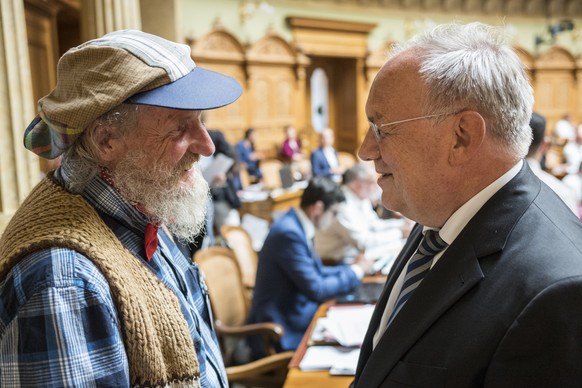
98,17
18,166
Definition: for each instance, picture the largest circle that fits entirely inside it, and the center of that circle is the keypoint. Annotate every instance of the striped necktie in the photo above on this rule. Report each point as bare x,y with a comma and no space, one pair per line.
418,267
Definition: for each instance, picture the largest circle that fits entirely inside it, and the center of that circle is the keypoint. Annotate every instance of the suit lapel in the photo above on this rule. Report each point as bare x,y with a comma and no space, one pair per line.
444,285
456,273
397,268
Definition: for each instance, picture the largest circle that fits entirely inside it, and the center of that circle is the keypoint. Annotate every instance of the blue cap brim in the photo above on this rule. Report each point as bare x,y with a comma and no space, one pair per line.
201,89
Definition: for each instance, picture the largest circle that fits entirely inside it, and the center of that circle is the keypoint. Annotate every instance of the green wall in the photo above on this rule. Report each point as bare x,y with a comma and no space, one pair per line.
198,17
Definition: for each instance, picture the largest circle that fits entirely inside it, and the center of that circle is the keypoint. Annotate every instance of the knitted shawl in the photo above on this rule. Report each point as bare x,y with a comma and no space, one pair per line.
157,341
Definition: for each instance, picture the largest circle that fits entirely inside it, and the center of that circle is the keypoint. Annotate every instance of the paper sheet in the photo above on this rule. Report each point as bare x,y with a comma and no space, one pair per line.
348,324
218,166
327,357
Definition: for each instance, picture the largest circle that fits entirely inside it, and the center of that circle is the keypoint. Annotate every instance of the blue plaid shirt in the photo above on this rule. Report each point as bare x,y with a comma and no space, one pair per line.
58,323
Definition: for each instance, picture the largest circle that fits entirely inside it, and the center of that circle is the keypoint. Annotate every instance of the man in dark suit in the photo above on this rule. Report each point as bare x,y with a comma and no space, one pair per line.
501,304
291,281
324,160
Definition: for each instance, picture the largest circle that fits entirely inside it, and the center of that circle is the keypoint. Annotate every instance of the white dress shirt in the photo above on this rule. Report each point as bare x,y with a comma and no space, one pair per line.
357,228
309,230
449,232
331,157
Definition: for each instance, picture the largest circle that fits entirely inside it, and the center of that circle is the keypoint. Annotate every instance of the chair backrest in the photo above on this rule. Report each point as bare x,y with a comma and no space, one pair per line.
270,169
241,244
245,180
225,288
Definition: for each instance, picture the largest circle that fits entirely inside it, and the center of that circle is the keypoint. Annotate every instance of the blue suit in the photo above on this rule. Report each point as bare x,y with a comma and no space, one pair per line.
243,155
291,281
319,164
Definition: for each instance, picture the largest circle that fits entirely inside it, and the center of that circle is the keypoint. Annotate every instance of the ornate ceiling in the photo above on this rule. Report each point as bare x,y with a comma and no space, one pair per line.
532,8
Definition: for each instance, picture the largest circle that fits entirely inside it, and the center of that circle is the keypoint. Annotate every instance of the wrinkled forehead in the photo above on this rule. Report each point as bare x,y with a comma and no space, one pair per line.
397,90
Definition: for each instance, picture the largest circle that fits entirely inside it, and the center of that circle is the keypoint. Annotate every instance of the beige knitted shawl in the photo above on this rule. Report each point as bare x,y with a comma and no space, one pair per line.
156,336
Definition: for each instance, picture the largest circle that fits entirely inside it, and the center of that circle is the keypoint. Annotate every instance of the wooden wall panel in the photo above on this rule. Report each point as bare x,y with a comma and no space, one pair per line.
220,51
555,86
276,90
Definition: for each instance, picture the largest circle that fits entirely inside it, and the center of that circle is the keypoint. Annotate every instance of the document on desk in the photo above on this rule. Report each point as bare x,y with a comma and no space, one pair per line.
337,359
345,325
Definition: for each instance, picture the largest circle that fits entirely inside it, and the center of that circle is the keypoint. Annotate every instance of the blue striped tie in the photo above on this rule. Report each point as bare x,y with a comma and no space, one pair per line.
418,267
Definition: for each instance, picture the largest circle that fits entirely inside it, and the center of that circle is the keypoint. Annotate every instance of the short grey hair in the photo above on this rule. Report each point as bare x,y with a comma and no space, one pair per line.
82,157
469,66
357,172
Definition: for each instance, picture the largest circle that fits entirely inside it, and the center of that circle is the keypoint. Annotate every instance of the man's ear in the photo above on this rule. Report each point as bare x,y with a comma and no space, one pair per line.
109,145
469,135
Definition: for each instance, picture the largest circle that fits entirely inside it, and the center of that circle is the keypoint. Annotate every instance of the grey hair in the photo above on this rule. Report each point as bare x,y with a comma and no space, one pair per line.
467,66
357,172
82,159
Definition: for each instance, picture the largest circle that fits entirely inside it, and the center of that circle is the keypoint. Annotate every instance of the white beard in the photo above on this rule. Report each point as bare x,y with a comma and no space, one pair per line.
180,206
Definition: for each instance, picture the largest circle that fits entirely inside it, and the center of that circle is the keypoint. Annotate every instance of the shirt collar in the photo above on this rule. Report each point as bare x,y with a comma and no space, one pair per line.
106,199
457,221
306,224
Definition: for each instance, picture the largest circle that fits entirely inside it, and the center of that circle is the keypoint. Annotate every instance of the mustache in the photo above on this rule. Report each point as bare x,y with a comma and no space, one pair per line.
187,162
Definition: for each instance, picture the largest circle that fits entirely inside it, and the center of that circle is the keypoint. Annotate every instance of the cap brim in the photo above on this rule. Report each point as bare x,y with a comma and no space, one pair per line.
201,89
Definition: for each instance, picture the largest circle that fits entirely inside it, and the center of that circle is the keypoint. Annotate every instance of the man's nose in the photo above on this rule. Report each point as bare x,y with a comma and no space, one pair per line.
369,149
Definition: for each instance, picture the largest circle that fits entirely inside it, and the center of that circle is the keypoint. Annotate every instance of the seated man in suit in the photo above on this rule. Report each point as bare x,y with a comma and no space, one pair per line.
356,227
248,156
291,281
486,291
324,160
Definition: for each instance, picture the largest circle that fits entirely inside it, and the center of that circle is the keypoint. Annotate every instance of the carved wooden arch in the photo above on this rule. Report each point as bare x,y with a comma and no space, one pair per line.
220,51
272,49
218,45
556,58
275,72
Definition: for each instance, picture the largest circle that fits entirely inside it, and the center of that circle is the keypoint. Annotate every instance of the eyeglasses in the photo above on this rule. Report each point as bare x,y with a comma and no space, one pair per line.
376,128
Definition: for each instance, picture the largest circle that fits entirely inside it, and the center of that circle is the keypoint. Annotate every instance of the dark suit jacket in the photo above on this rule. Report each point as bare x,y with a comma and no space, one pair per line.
501,308
319,164
291,281
244,155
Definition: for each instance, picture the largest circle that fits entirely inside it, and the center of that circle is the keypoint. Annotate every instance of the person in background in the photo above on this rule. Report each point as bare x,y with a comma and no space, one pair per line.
537,150
225,186
324,160
574,183
291,280
566,137
486,291
248,156
356,227
291,147
93,289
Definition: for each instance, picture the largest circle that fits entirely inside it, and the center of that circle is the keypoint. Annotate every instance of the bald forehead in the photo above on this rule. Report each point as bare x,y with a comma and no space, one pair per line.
403,69
398,83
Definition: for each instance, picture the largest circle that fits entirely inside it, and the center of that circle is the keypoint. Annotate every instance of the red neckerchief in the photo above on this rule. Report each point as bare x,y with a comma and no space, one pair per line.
151,229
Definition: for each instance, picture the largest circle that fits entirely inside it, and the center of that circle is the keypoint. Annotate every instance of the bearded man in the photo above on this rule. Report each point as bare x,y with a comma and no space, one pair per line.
93,288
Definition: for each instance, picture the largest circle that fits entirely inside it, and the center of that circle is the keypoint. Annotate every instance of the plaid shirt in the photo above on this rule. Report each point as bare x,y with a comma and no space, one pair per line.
58,323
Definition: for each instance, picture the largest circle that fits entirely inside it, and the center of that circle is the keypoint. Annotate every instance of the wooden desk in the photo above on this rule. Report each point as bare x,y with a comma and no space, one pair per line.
296,378
265,208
